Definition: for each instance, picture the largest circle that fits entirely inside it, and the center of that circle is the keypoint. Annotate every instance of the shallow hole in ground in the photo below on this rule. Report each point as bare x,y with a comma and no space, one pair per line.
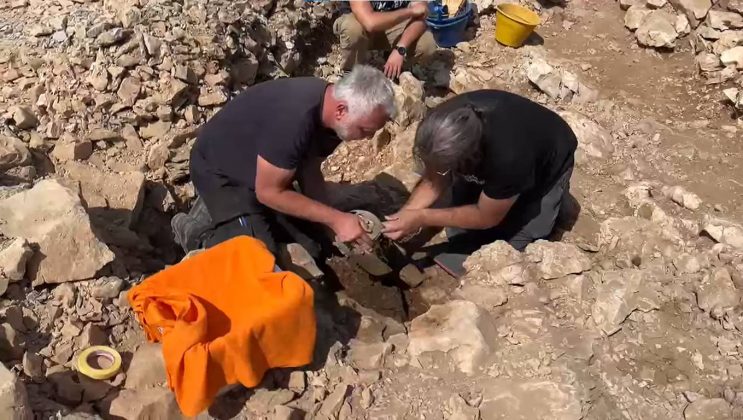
388,295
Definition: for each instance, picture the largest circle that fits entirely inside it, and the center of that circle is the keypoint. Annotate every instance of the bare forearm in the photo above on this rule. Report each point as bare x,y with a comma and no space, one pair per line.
424,195
412,33
382,21
464,217
295,204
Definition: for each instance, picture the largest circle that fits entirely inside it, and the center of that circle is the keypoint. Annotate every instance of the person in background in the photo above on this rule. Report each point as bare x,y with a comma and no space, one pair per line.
508,162
396,26
248,155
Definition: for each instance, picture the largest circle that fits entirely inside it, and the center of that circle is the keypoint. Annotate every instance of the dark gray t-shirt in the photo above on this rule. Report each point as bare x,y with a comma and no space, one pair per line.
279,120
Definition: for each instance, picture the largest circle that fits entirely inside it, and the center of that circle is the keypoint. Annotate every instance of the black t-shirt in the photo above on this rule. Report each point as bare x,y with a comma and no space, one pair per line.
526,147
279,120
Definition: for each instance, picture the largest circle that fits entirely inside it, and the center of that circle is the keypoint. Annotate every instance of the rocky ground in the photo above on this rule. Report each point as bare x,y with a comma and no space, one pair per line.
635,314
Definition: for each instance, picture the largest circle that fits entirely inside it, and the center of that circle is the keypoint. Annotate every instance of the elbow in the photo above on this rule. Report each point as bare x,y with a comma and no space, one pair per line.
264,196
489,223
369,22
370,26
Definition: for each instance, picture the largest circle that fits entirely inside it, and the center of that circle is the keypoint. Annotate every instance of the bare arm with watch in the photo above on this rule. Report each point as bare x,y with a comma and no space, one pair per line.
393,67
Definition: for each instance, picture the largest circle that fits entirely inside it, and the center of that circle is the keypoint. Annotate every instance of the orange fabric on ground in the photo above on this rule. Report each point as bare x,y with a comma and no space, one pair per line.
223,316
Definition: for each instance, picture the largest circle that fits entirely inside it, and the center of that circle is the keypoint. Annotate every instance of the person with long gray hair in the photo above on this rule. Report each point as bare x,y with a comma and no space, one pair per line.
248,155
508,162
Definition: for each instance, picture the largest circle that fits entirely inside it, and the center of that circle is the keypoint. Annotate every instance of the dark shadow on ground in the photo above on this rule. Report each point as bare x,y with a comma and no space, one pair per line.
436,73
570,211
549,4
534,39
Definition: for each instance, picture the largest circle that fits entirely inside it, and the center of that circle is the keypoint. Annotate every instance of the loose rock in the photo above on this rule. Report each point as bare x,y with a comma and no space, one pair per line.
658,30
11,347
369,356
708,62
723,231
695,10
733,57
69,149
593,140
13,398
297,382
13,260
122,193
13,153
723,21
635,16
708,409
408,100
33,365
497,264
53,217
505,399
458,409
616,299
682,197
23,117
107,288
111,37
147,368
460,330
331,407
412,276
286,413
91,335
129,91
154,403
717,293
294,257
556,259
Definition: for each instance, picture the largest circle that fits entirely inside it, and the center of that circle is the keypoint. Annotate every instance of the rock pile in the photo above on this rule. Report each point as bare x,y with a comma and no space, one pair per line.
637,311
138,74
716,35
100,104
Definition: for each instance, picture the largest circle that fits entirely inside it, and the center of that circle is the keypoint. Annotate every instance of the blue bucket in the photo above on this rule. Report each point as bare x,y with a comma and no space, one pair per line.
450,31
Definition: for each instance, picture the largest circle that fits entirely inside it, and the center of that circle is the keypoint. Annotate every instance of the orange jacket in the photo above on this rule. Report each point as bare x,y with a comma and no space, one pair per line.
223,316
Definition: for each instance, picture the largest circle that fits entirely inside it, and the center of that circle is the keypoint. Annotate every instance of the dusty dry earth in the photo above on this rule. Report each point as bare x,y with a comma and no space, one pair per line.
633,312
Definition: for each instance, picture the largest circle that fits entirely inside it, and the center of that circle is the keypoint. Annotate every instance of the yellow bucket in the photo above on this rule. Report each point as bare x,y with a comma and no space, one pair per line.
514,24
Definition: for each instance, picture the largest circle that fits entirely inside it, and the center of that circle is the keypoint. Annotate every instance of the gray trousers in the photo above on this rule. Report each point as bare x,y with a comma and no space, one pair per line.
527,221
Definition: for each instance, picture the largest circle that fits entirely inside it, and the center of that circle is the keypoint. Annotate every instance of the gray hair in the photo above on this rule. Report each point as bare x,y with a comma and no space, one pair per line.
364,89
449,139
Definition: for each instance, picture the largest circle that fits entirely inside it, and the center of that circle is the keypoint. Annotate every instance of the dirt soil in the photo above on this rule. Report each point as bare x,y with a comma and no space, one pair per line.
634,312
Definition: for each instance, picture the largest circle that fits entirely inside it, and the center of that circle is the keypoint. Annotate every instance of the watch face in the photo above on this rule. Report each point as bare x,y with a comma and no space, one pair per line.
402,50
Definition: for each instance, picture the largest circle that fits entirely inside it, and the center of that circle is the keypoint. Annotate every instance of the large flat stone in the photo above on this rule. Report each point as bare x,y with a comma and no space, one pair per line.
52,217
528,400
460,331
13,153
119,195
695,10
594,141
13,398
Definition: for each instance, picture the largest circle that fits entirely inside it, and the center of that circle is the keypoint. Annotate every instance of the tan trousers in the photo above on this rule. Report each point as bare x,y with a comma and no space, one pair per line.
355,41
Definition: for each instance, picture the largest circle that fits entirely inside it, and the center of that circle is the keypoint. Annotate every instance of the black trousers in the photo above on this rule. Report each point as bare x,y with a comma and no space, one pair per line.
270,227
226,209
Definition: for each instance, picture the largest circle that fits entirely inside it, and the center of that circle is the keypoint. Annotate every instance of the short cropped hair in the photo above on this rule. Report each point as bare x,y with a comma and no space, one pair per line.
364,89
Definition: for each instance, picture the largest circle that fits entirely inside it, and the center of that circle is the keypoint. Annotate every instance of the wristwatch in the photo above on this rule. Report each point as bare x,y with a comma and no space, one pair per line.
401,50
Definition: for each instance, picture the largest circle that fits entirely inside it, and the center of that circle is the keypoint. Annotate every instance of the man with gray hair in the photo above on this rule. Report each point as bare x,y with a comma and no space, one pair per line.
509,162
248,155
